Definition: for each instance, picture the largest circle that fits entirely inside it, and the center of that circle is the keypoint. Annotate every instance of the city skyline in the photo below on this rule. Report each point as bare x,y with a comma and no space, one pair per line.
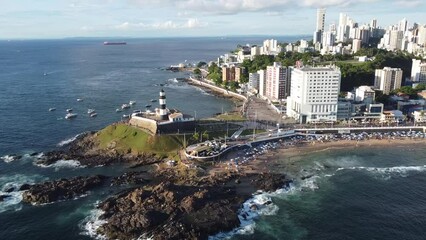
182,18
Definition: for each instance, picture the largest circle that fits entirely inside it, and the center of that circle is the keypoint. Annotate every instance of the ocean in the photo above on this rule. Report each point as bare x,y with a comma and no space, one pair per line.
365,193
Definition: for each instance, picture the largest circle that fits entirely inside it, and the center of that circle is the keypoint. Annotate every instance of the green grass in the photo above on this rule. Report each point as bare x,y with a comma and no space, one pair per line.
250,132
128,139
231,117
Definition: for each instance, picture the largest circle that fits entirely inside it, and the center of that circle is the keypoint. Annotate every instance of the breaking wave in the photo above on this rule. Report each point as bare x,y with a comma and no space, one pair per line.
62,164
9,187
92,223
69,140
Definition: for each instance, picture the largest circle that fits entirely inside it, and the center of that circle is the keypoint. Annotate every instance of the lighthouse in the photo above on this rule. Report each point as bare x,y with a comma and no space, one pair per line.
163,110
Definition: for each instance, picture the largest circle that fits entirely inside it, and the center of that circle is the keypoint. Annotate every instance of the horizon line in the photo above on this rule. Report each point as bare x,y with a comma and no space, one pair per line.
154,37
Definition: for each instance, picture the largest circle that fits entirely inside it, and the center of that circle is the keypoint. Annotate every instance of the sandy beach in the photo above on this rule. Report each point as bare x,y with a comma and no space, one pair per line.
283,157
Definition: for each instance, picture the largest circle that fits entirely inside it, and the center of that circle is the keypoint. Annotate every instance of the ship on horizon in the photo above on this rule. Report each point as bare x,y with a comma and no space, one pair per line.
115,43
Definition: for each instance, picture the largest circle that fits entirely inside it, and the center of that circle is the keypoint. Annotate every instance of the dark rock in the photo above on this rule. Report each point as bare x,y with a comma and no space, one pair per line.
133,178
24,187
270,181
189,212
9,190
34,154
62,189
3,197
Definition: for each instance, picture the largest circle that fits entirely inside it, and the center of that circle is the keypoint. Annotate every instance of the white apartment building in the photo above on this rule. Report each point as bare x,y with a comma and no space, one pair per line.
254,80
320,19
418,71
328,39
277,82
270,47
388,79
262,82
314,94
365,94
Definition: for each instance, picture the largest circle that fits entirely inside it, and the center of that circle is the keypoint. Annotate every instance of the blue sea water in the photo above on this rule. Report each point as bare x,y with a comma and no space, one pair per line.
363,193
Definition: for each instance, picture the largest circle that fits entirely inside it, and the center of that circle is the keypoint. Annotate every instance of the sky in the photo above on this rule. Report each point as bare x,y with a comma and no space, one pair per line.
35,19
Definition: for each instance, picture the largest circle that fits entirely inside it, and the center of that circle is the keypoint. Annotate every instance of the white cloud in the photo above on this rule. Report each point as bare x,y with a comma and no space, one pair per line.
189,24
237,6
409,3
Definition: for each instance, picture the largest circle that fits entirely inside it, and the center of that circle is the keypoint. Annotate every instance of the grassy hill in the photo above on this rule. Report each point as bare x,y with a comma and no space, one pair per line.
128,139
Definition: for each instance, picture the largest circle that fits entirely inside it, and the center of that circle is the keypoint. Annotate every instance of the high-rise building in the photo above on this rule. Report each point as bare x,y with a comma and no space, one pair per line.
262,82
421,39
356,45
319,31
388,79
320,19
276,84
328,39
403,25
254,80
395,40
373,23
314,94
418,71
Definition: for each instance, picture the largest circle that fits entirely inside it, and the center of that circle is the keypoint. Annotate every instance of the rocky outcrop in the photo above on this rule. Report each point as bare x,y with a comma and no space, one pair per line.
130,178
270,182
169,211
188,210
62,189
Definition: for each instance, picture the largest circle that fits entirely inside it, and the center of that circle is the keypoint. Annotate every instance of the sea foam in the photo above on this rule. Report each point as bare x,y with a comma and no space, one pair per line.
92,223
8,158
69,140
60,164
387,172
14,182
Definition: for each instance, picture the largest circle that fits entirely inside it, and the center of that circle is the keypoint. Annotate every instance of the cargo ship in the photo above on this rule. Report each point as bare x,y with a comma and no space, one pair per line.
115,43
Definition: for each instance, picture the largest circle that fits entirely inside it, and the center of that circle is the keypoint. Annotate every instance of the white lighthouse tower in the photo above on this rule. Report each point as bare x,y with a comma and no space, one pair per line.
163,109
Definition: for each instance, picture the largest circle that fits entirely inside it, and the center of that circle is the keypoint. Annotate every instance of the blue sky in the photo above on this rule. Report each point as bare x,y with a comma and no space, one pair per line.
159,18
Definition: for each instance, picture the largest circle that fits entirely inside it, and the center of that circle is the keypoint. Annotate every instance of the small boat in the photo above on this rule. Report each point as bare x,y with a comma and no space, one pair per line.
79,99
90,111
153,100
147,106
126,116
69,110
118,110
70,115
45,74
125,106
93,114
52,109
132,102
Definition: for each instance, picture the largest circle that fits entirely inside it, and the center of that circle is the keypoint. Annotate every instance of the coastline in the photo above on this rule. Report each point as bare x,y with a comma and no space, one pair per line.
283,157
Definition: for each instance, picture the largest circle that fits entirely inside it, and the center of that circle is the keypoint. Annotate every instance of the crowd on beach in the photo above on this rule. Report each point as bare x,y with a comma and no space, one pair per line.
245,157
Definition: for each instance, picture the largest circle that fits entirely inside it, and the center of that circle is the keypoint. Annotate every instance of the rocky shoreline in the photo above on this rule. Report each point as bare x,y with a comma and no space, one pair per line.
85,151
168,202
62,189
191,210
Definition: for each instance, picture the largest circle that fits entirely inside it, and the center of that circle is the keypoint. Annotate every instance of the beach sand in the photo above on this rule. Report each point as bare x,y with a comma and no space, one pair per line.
283,158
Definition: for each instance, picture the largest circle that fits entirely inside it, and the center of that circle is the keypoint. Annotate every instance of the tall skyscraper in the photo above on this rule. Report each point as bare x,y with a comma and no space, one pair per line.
388,79
373,23
320,19
403,25
314,94
320,25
